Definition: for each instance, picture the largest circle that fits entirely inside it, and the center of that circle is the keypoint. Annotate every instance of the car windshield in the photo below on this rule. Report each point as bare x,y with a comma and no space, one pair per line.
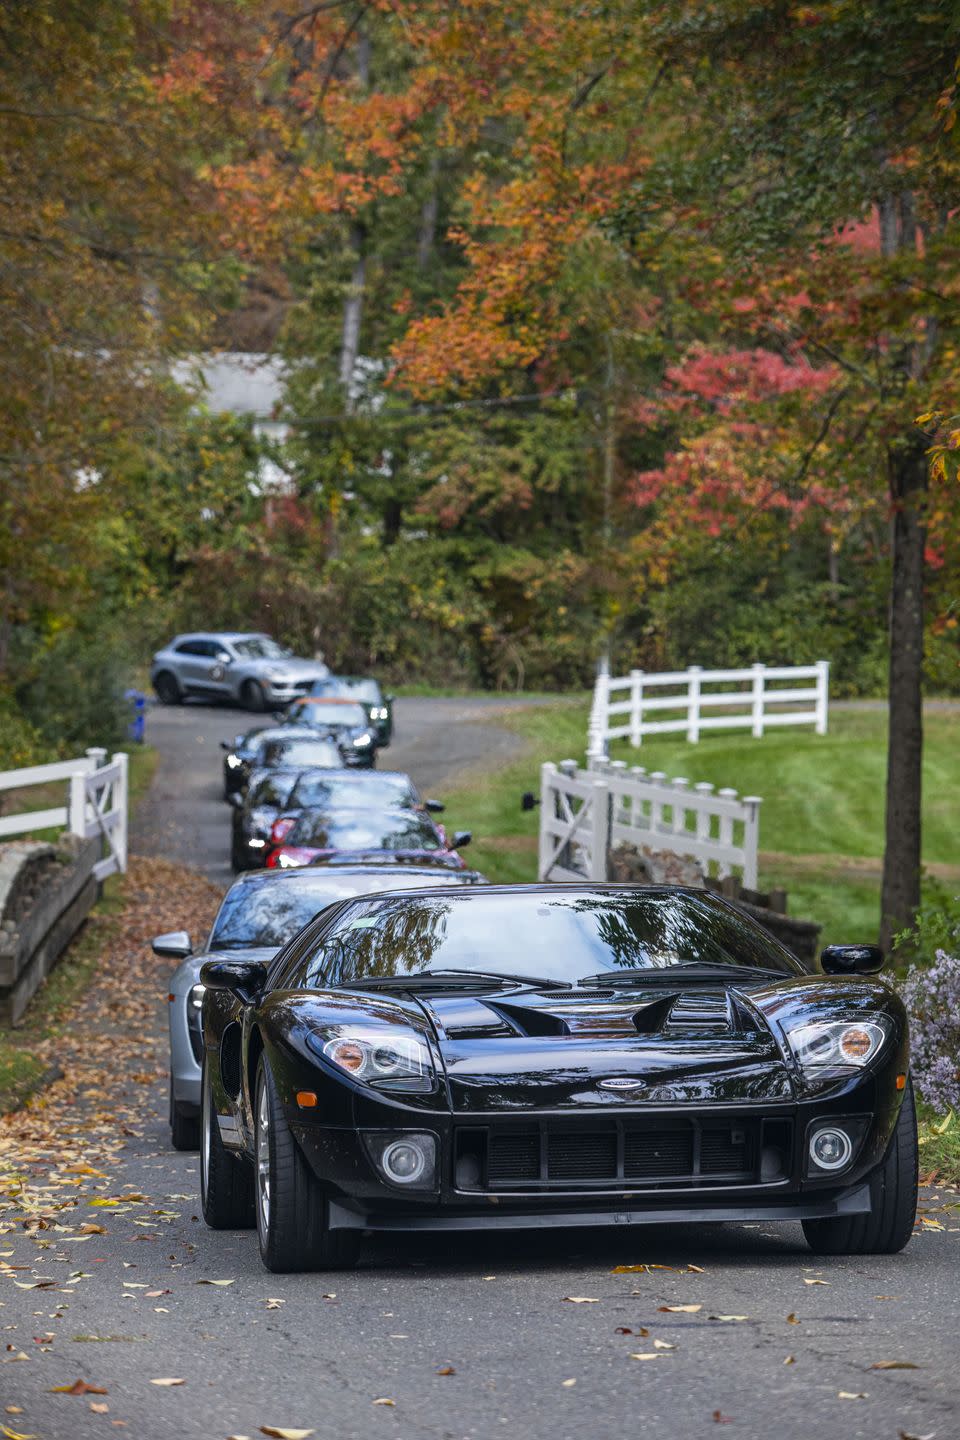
564,937
326,712
366,691
271,790
259,647
267,915
293,753
348,790
360,830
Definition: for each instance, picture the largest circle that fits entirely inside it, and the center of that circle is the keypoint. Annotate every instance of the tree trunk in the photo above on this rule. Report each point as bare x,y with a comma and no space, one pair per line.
900,897
352,315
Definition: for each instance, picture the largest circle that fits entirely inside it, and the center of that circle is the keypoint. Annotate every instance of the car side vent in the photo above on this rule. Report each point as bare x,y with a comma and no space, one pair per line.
529,1019
701,1010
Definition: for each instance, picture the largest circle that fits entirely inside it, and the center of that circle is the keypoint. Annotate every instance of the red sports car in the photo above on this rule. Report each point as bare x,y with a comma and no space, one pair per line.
406,835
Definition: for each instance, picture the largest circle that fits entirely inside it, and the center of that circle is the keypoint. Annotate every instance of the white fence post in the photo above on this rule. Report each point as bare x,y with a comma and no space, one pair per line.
823,689
636,708
599,830
77,808
548,804
751,835
121,803
693,703
759,672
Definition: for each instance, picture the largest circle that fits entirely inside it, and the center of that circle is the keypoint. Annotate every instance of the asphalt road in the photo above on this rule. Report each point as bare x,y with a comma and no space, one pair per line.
532,1336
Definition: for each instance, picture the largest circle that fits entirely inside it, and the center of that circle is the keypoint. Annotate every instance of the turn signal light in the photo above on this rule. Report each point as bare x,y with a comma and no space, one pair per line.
306,1099
901,1082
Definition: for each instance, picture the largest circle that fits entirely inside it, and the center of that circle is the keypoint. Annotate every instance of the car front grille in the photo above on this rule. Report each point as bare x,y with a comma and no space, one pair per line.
686,1151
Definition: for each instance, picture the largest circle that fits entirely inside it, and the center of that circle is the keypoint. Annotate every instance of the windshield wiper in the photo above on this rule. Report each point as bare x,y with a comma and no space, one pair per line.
457,977
701,969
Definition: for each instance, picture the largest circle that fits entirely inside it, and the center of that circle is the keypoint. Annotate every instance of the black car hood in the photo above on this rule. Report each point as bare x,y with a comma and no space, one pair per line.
561,1049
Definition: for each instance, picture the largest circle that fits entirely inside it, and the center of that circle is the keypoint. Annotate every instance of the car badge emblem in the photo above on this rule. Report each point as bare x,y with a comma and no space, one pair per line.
622,1082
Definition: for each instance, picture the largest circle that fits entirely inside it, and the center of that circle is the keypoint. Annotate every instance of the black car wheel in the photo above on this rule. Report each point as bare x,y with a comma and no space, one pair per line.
184,1129
893,1200
167,689
226,1182
291,1208
253,696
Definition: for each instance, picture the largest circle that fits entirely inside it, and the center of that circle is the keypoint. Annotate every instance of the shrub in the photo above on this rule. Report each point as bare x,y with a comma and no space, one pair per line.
932,996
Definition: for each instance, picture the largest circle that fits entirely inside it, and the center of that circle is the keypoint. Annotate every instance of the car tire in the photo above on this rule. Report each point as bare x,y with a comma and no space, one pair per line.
226,1181
184,1129
893,1200
292,1211
166,687
253,697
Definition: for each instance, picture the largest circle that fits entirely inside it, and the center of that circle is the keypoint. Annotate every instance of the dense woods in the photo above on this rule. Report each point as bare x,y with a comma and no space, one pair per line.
622,325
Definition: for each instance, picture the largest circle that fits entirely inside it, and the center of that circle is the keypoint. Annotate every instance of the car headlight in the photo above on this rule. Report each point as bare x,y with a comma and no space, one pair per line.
387,1059
234,762
379,714
363,740
837,1044
289,862
195,998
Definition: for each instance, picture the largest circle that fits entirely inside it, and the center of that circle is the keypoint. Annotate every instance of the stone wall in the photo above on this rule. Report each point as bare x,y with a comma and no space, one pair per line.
46,893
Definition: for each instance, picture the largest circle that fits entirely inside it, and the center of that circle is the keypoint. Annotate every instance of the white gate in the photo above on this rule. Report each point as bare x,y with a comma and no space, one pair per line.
583,813
96,804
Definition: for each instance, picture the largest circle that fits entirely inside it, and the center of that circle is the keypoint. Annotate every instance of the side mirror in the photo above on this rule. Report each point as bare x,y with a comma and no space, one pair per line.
389,699
242,978
175,945
436,807
851,959
528,801
225,745
461,838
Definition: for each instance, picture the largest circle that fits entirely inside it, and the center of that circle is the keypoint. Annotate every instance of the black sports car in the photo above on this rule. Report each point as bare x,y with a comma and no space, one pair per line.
255,812
333,790
345,721
276,746
364,688
551,1055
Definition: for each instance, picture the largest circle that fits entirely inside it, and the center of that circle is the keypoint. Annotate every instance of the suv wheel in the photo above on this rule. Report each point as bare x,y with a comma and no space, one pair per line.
167,689
253,696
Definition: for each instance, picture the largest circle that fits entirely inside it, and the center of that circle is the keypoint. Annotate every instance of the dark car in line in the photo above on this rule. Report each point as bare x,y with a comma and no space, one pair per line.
367,690
333,790
254,815
342,720
274,747
259,913
409,835
240,758
552,1055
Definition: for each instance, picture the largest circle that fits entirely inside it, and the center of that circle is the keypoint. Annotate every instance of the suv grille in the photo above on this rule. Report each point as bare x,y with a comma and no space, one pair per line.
688,1151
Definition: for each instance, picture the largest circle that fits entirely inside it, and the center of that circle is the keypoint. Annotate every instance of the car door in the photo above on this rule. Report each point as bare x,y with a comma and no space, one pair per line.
208,667
193,664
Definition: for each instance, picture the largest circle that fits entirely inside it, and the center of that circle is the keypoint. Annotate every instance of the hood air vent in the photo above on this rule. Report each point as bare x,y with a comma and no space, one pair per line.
701,1010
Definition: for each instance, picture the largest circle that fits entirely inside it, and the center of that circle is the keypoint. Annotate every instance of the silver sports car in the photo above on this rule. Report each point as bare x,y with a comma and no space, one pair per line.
249,670
260,912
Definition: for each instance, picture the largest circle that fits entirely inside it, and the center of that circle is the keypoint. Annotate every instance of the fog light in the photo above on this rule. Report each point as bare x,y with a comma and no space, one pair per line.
830,1149
407,1160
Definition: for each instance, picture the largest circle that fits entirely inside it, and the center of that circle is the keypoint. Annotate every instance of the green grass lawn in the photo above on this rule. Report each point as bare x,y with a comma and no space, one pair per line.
821,822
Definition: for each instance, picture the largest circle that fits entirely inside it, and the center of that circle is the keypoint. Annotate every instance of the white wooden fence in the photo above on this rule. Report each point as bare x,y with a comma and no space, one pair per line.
693,700
96,804
583,813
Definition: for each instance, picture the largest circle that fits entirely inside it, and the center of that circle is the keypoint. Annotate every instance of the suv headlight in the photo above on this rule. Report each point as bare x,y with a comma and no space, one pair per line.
195,998
840,1045
387,1059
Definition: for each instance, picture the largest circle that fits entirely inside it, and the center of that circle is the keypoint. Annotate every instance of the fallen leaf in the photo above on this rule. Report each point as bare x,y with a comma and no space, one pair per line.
153,1294
790,1360
728,1317
720,1418
446,1370
851,1395
272,1303
167,1380
696,1269
629,1269
679,1309
8,1359
568,1384
894,1365
792,1319
384,1401
218,1282
14,1434
79,1387
582,1299
815,1282
906,1435
88,1228
649,1355
280,1432
99,1407
663,1345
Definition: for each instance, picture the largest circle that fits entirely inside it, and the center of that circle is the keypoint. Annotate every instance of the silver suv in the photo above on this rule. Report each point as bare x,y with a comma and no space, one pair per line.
249,670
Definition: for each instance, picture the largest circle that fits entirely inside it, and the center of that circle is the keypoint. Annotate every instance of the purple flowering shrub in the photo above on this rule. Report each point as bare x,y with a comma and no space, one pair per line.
931,994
